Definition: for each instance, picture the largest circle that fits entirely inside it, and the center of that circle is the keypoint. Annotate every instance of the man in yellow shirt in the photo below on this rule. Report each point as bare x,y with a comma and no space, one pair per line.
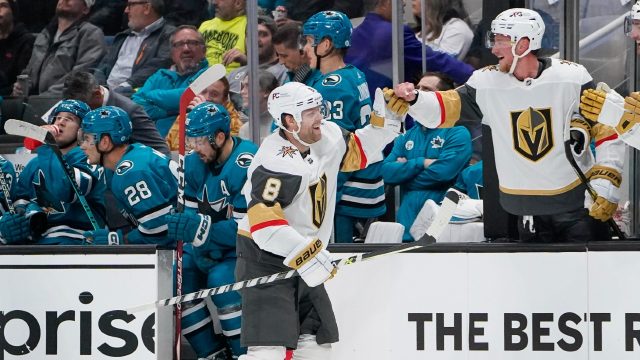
224,35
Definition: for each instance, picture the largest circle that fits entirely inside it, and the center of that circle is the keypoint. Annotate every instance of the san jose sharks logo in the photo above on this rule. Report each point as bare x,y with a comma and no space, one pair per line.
244,160
218,209
124,166
45,198
332,80
437,142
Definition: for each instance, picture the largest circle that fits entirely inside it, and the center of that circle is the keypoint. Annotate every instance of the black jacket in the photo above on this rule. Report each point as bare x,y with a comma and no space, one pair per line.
15,52
154,54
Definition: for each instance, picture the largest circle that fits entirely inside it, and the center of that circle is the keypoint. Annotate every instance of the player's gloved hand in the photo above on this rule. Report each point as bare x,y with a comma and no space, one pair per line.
189,227
631,116
603,105
383,117
312,262
395,104
14,228
606,183
103,237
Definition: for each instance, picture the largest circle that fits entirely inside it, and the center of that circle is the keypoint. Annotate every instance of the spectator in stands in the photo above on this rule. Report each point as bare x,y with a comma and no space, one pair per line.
301,10
160,95
16,44
217,93
447,25
286,42
371,51
139,51
267,83
267,59
186,12
43,187
425,162
68,43
107,15
225,34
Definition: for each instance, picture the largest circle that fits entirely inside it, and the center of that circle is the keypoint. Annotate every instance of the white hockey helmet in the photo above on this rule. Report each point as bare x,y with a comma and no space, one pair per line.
292,98
518,23
634,14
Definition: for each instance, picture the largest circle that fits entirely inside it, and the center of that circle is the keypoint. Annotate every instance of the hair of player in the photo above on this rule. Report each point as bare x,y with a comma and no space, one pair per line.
288,35
79,85
445,83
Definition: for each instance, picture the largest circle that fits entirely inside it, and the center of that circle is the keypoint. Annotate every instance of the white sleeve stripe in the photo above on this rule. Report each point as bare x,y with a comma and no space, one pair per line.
364,186
155,214
153,231
191,204
363,200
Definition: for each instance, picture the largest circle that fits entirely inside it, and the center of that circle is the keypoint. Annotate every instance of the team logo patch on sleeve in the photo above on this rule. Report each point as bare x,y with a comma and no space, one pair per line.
332,80
408,145
244,160
287,150
532,132
437,142
124,167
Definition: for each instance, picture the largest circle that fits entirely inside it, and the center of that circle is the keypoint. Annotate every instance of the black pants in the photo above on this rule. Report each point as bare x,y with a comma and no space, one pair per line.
572,226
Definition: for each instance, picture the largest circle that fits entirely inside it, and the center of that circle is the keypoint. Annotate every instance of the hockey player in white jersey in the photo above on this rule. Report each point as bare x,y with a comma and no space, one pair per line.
529,104
291,194
610,108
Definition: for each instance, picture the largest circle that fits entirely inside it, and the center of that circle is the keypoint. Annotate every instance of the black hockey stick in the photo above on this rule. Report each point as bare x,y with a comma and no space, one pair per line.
6,191
583,178
449,205
25,129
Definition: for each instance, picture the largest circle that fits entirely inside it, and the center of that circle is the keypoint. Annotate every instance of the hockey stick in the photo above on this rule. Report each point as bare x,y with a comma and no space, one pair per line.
7,192
447,208
29,130
583,178
208,77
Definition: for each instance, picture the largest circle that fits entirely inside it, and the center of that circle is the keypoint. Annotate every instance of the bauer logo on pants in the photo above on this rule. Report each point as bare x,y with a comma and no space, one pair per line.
532,132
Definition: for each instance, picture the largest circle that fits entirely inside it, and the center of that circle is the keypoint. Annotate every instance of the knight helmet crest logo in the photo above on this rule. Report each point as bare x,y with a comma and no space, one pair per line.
532,132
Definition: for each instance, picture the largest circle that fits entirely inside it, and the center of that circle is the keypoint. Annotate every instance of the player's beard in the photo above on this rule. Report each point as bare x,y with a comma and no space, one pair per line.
504,66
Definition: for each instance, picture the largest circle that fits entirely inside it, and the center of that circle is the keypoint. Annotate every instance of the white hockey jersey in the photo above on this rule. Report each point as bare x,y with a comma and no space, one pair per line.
530,122
291,196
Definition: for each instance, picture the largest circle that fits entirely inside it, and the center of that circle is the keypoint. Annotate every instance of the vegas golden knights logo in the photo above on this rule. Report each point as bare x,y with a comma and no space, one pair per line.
532,132
318,192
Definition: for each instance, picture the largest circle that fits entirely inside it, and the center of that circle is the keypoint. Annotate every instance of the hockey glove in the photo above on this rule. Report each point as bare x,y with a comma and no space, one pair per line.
606,183
14,228
312,262
395,104
189,227
383,117
103,237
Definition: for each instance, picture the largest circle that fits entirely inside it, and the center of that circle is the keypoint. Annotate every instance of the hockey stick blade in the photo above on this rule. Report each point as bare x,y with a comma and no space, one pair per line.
449,205
28,130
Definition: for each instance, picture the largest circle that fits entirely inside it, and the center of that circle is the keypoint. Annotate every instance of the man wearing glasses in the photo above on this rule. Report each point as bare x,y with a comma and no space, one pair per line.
160,95
139,51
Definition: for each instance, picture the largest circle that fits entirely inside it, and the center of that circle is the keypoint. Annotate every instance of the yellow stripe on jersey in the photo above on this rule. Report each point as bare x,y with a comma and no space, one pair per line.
450,107
562,190
354,158
262,216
